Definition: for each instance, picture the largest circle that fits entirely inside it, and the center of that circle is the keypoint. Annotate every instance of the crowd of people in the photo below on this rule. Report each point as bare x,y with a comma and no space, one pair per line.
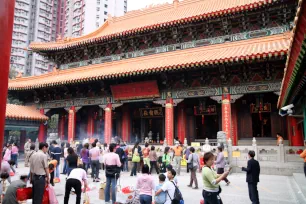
84,159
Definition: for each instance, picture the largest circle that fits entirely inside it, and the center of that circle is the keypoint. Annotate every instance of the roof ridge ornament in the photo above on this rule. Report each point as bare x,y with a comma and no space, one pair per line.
110,18
19,75
55,70
175,3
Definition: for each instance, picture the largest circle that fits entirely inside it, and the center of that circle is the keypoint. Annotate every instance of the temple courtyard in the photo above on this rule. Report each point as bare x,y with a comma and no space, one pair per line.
272,189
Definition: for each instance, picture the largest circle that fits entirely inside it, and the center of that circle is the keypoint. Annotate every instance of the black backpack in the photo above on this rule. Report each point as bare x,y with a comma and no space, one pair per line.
178,197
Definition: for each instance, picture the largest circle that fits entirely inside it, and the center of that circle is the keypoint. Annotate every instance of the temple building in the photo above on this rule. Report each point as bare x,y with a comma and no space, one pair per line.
22,122
187,69
293,85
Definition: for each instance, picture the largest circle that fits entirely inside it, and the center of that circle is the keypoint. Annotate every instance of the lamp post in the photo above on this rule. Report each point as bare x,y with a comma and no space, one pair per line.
6,21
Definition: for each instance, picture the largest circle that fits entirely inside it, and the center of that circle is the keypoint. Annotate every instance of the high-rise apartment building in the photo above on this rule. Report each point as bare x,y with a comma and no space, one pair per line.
35,20
88,15
46,20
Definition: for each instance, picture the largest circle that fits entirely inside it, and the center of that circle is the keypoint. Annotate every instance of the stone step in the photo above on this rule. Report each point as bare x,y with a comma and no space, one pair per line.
298,183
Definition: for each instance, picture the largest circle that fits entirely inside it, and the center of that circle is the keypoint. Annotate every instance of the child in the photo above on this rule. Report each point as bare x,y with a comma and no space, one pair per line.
161,198
169,168
52,166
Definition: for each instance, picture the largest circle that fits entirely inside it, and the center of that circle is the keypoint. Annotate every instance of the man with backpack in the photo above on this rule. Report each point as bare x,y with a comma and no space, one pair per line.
174,195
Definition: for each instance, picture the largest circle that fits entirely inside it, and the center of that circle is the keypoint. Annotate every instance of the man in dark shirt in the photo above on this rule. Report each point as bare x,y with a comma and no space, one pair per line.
56,153
253,171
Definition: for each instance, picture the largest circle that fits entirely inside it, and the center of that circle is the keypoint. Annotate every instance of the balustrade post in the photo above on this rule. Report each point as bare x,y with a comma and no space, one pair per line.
281,153
254,145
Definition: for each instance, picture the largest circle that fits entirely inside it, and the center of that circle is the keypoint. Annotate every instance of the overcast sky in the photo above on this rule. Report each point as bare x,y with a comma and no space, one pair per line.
138,4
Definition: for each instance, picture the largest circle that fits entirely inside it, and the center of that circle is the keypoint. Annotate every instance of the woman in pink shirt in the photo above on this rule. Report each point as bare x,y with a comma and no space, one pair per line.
14,154
145,184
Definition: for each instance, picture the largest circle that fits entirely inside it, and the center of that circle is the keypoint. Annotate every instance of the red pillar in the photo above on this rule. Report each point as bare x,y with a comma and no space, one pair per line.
71,124
108,123
126,123
226,115
234,125
42,129
181,122
6,23
169,121
61,127
295,132
90,124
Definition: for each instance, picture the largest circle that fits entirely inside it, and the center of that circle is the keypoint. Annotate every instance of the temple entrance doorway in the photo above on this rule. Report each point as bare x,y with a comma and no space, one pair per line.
261,124
207,127
147,121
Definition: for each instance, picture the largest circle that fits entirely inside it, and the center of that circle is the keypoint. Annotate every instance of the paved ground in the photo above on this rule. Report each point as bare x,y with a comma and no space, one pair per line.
272,189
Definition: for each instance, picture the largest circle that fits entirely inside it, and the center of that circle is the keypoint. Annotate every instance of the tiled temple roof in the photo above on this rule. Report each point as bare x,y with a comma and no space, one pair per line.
290,87
245,50
18,112
155,18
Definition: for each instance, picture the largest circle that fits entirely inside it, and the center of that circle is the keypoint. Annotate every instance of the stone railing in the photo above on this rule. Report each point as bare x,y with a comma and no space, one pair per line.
280,160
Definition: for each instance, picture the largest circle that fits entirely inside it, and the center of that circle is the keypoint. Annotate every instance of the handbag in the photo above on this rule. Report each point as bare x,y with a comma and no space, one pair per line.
190,165
24,194
52,196
135,158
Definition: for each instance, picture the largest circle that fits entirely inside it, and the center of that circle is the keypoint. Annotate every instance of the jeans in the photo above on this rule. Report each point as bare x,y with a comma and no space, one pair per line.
110,181
145,199
177,162
210,197
39,184
147,162
253,193
134,169
95,169
221,171
65,166
14,158
305,169
154,163
126,165
193,177
86,166
57,173
77,186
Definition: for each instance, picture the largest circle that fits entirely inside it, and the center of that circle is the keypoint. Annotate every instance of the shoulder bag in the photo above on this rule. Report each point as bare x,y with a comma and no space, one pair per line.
190,165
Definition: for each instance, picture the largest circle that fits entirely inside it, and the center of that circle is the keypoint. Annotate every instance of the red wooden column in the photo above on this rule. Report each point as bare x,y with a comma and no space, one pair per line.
295,132
71,123
90,124
108,123
6,23
42,129
61,127
169,131
181,122
226,115
126,123
234,124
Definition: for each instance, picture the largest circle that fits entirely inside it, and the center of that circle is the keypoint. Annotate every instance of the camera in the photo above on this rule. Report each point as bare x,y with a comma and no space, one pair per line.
286,110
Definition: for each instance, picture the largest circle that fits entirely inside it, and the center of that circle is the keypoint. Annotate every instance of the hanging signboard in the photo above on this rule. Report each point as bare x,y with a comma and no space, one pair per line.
137,90
151,112
210,110
265,108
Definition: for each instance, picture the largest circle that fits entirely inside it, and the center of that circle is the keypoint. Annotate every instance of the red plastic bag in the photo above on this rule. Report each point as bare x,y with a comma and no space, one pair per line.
126,190
46,196
24,194
12,173
202,201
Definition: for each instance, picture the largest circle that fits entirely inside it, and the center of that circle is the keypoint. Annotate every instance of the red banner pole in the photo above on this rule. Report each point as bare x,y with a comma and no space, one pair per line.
6,23
226,115
108,124
71,124
42,129
169,122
